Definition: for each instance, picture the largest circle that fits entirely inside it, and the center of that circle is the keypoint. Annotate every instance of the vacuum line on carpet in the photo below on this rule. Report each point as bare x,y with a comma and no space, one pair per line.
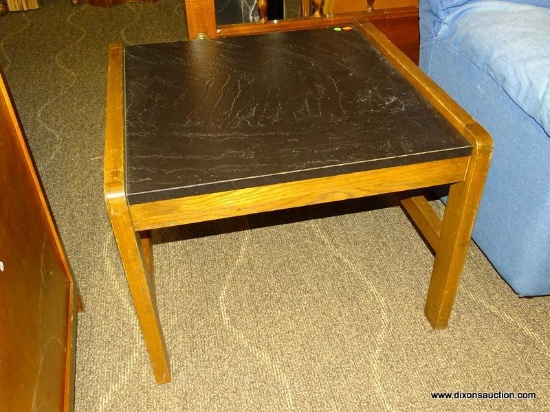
237,334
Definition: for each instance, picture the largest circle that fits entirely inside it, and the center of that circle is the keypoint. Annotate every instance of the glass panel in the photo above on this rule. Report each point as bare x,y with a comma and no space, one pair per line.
246,11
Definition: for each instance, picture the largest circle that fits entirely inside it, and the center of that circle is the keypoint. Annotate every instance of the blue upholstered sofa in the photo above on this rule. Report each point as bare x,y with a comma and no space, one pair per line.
493,58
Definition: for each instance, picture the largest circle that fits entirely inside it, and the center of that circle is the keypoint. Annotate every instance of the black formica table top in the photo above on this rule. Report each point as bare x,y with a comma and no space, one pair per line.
213,115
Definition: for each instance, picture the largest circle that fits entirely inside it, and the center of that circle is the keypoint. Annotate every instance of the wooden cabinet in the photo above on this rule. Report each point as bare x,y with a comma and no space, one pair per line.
401,29
398,21
349,6
38,298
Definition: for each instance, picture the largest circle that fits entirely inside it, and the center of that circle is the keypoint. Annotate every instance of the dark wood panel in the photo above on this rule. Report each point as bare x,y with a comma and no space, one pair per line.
37,294
348,6
403,32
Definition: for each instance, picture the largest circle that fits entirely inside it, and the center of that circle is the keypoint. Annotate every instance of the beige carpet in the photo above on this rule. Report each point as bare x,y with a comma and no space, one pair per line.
316,309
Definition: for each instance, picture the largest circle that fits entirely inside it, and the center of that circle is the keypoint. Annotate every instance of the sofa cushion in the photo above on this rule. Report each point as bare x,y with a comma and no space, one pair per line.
510,43
441,8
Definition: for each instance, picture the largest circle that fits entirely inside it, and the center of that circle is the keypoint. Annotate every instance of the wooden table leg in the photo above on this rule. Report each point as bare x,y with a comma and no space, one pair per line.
262,10
456,231
147,247
317,8
370,5
306,8
140,284
137,261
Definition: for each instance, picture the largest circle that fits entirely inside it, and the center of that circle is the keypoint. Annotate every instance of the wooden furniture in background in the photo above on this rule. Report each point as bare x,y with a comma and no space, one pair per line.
350,6
399,24
402,30
18,5
410,136
317,8
38,297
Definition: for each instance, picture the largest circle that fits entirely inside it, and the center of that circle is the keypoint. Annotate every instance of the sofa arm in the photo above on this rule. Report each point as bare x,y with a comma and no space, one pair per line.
441,8
515,55
538,3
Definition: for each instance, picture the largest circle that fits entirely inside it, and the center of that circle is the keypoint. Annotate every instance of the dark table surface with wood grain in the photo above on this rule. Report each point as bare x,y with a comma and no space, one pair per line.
215,115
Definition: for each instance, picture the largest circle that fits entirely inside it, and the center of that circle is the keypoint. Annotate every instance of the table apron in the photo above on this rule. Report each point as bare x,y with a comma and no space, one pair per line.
239,202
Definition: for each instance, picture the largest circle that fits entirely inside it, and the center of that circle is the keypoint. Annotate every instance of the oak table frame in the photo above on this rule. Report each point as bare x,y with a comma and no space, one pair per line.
449,237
